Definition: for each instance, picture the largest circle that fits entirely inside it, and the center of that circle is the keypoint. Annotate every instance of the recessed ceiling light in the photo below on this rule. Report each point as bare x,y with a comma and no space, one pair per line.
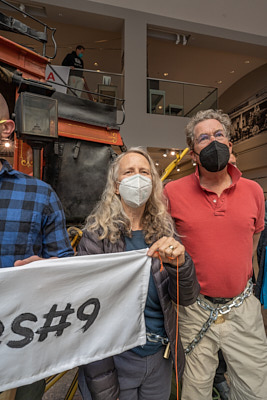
173,153
247,62
166,74
156,163
232,72
160,107
96,64
7,144
98,70
164,154
219,82
178,170
194,164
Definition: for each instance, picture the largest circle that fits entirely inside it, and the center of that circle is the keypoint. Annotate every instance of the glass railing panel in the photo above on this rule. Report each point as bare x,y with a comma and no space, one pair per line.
178,98
105,87
205,98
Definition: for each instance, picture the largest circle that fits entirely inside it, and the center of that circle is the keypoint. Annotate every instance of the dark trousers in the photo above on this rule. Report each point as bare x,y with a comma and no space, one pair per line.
144,378
220,371
140,378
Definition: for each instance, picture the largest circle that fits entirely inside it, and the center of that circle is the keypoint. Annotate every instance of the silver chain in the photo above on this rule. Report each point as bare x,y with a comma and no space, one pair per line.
214,312
154,338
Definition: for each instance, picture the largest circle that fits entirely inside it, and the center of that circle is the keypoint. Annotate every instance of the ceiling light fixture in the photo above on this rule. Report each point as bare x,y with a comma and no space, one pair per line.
166,74
173,153
164,154
177,39
157,163
247,62
184,40
232,72
178,170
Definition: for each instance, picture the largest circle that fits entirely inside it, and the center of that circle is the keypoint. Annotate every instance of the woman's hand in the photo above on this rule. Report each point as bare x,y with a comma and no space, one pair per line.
168,249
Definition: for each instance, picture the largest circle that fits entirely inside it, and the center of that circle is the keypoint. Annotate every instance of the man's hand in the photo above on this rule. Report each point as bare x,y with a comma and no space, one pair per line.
28,260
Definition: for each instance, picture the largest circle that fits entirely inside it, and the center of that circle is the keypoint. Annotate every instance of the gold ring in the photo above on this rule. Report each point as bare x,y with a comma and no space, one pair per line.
171,247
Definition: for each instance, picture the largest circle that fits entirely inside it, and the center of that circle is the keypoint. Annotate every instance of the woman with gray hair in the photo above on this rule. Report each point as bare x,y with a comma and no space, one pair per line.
132,215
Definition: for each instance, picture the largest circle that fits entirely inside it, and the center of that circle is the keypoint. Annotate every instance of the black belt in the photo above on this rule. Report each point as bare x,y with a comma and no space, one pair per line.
218,300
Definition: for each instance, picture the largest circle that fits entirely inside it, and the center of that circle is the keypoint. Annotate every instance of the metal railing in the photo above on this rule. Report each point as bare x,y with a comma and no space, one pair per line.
11,24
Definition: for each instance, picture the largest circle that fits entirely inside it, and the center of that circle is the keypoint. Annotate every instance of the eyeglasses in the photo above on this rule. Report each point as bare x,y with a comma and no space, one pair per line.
205,138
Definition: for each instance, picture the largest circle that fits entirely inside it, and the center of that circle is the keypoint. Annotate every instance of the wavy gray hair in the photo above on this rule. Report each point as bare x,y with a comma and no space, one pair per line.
224,119
109,218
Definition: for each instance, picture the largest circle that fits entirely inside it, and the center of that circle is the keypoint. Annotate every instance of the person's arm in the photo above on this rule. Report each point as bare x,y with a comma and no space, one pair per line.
102,379
55,240
90,244
28,260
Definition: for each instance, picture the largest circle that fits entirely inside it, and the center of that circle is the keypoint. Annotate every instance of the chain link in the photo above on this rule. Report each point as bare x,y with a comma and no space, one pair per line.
154,338
214,312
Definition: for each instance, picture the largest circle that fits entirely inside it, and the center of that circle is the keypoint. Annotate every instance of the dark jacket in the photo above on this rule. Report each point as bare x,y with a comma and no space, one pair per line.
72,60
261,262
101,377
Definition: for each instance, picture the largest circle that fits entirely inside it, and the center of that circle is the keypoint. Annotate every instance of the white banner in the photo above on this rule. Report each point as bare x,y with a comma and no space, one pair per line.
60,313
53,77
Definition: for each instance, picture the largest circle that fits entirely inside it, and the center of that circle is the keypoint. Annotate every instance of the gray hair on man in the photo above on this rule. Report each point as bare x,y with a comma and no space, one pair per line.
200,116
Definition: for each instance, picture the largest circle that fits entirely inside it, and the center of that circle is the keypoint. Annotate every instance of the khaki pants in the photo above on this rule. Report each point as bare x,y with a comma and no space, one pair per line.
76,82
242,340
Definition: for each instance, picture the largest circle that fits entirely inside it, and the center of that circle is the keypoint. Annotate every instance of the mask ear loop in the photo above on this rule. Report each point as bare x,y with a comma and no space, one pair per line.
177,315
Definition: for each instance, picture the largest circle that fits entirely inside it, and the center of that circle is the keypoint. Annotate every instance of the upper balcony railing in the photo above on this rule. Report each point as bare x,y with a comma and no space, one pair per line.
106,87
164,97
99,86
183,99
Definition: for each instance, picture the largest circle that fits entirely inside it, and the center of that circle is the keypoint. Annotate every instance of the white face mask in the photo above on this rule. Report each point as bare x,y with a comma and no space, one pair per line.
135,190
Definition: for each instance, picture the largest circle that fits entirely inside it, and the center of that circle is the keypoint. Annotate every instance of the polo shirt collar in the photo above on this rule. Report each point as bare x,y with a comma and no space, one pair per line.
233,171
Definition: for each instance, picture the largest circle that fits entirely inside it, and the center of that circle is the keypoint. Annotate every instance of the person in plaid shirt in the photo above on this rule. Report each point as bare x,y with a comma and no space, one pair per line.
32,224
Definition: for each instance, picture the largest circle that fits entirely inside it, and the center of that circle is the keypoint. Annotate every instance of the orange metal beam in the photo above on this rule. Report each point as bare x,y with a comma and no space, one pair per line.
31,64
90,133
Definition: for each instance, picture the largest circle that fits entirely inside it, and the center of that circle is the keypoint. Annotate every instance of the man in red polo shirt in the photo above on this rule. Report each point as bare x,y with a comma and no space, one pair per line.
219,216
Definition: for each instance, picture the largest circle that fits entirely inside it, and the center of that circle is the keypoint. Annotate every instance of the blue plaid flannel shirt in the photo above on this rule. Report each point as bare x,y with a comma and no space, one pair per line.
32,220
